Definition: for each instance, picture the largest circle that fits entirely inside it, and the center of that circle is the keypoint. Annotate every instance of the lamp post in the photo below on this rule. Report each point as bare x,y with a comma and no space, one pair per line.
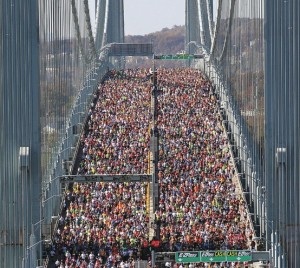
31,251
32,240
48,209
230,128
50,204
272,244
56,178
69,148
44,201
30,258
257,203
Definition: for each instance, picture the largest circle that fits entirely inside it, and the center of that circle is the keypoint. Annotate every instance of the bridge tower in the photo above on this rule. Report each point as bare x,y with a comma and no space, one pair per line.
109,22
19,129
282,126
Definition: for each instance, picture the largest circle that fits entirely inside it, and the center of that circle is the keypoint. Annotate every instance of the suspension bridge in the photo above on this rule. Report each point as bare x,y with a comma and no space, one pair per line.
52,59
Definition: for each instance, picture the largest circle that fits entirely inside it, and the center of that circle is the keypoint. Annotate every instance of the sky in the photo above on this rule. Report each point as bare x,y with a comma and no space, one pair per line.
147,16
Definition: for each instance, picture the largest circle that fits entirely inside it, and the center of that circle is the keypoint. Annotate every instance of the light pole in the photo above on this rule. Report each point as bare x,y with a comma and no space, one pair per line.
30,258
44,201
257,203
69,148
49,211
273,245
50,204
59,177
31,251
229,127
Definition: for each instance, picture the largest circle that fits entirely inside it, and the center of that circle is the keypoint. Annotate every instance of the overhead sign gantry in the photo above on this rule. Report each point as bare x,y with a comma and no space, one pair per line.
212,256
179,56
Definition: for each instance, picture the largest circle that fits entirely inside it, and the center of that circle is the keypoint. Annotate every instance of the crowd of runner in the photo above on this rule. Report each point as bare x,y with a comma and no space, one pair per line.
199,206
107,224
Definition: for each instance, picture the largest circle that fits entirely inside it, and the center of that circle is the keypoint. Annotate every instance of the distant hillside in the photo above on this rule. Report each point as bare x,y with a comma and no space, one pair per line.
166,41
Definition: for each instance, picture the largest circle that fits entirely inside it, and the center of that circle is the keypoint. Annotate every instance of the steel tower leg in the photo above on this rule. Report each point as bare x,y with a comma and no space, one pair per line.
19,128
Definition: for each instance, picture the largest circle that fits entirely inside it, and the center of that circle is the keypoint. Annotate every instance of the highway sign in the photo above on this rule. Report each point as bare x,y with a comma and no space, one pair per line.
213,256
226,255
185,256
239,255
178,57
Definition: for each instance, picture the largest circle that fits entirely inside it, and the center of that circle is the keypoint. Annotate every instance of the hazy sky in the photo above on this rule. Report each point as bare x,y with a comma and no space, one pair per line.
147,16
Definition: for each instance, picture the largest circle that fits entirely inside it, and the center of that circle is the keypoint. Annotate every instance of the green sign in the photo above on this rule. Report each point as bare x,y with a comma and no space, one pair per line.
226,255
178,57
185,256
239,256
214,256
